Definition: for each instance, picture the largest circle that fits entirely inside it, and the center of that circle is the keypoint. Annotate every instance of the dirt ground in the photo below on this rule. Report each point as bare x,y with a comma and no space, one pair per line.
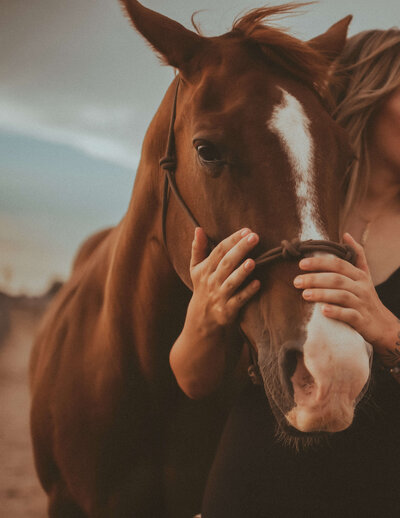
20,493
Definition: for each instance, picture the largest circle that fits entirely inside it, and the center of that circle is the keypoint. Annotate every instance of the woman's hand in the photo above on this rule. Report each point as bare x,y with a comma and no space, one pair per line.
199,356
349,295
217,279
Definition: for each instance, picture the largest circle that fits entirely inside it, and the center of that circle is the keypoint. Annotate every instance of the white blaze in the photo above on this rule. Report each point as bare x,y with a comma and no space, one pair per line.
291,124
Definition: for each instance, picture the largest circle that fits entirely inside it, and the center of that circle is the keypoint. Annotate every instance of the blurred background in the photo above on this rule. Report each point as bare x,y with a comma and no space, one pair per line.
78,89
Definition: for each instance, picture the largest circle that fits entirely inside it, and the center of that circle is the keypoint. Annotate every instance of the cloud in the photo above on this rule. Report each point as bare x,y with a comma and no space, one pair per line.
92,130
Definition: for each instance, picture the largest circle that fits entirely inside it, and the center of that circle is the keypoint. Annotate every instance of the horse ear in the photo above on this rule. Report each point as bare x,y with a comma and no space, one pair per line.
176,44
331,42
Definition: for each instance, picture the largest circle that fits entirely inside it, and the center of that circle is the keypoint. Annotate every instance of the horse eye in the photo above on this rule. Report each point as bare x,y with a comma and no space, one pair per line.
207,152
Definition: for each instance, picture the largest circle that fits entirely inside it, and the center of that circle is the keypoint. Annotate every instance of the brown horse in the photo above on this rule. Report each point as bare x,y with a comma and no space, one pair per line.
113,435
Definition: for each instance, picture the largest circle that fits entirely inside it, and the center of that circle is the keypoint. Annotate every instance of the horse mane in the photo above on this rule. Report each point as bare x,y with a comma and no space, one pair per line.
297,57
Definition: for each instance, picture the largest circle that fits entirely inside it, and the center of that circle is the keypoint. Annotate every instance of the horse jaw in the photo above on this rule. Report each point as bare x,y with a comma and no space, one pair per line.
330,375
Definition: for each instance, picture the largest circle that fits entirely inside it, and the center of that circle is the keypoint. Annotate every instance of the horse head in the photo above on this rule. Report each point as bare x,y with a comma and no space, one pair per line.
256,147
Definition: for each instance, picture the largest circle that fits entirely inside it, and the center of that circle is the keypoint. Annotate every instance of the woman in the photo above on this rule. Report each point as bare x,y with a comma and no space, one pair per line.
357,472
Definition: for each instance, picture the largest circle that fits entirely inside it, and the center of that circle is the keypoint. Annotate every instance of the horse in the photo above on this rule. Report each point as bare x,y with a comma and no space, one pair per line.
250,143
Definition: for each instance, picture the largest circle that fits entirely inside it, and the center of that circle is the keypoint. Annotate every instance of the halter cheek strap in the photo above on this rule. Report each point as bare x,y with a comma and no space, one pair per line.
293,249
169,164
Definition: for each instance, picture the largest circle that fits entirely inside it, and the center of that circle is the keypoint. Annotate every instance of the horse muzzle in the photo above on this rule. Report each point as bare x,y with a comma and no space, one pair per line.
326,376
321,406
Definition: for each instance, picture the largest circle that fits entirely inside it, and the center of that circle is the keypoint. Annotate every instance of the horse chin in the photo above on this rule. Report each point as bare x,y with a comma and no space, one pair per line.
293,438
315,419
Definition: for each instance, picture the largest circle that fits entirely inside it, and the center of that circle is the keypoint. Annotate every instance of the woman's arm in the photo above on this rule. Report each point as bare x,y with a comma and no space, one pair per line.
389,352
199,356
349,295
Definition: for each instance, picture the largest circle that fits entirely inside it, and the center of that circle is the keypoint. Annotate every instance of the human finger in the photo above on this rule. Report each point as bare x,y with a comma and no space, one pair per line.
236,302
361,260
326,280
199,247
330,263
234,256
224,246
236,278
349,316
338,297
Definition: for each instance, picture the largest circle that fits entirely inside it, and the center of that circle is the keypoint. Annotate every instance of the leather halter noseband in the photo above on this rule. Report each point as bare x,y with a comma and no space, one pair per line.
288,249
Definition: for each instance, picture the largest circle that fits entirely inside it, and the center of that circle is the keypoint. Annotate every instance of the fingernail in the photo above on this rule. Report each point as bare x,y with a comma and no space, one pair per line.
255,284
304,263
252,239
244,232
307,294
326,309
298,281
249,265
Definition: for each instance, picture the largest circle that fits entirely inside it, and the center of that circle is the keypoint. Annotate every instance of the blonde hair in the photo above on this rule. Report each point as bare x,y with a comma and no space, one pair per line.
367,72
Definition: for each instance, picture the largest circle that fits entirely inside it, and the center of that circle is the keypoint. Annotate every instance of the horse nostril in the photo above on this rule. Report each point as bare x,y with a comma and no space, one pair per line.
290,353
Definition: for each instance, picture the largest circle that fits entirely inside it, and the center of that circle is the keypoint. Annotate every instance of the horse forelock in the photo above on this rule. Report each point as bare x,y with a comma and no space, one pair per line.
289,53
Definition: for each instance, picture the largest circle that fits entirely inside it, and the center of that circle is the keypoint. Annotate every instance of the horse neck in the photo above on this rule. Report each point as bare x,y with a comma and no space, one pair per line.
147,300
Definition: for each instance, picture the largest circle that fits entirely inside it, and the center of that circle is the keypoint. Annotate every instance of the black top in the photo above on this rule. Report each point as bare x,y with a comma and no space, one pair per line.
389,292
355,473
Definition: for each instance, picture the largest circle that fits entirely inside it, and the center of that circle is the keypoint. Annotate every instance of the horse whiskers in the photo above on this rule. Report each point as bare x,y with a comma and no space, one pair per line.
368,405
302,441
269,368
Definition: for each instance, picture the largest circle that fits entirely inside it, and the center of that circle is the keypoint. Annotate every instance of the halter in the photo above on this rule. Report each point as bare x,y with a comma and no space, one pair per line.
293,249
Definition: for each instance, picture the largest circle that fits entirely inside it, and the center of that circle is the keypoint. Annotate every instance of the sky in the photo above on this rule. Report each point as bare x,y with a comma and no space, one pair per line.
78,89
